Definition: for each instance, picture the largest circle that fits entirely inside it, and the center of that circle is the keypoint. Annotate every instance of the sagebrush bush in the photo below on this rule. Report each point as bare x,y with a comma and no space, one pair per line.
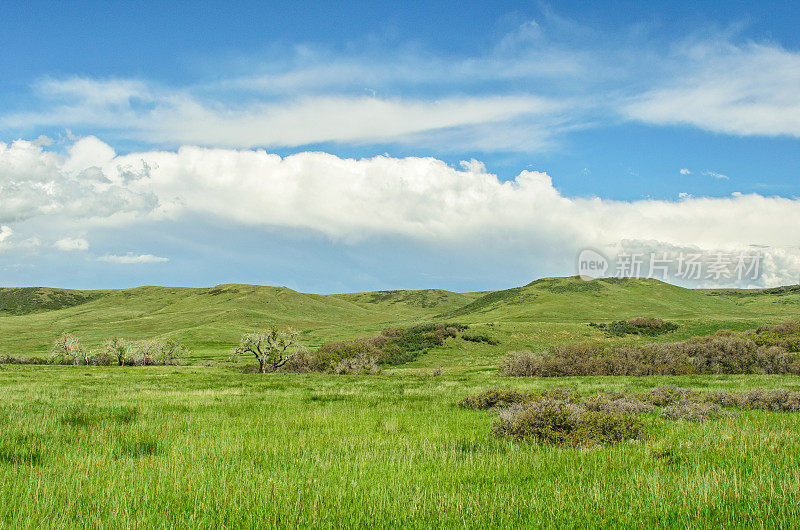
496,397
669,394
778,400
565,423
561,416
718,354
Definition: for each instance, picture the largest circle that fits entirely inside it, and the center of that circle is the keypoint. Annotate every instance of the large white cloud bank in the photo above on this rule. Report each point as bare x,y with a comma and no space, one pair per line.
420,199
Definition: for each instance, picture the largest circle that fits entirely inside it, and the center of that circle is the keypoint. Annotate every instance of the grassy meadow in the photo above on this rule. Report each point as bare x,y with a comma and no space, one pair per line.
205,445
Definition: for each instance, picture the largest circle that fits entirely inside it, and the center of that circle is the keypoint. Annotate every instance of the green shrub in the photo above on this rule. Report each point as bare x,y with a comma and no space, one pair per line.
393,346
480,337
637,325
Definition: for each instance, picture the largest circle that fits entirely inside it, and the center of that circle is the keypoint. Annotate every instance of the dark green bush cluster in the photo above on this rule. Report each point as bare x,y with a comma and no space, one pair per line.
9,359
479,337
563,417
637,325
393,346
719,354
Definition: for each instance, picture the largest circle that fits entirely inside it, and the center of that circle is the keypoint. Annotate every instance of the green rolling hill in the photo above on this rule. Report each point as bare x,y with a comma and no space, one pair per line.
210,320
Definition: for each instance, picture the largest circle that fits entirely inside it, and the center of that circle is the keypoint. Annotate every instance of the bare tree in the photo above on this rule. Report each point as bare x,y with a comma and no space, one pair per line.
272,348
117,348
68,346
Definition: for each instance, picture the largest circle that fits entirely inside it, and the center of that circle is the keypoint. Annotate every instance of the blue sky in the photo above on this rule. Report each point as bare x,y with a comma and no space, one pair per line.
135,137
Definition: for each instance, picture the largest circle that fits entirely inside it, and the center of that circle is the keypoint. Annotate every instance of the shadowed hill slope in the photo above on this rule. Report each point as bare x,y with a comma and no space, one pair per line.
25,300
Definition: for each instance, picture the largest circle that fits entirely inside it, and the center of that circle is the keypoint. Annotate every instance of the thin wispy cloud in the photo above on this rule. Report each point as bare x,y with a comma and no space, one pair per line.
524,94
132,259
714,174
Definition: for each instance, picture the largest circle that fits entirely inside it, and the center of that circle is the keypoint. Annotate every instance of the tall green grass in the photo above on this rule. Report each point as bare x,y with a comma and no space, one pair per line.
186,446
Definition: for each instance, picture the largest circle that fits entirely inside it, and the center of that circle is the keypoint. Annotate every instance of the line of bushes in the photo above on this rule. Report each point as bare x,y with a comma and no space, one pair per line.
772,350
564,417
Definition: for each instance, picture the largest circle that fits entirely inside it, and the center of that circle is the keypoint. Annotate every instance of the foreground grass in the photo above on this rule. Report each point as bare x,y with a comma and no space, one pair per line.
204,446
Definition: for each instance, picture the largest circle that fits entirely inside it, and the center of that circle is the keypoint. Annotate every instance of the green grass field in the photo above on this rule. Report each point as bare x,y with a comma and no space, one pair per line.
205,445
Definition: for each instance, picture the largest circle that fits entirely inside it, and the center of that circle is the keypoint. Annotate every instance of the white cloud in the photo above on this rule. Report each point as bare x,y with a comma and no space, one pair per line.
715,175
520,94
133,110
132,259
685,171
748,89
5,233
349,200
68,244
35,182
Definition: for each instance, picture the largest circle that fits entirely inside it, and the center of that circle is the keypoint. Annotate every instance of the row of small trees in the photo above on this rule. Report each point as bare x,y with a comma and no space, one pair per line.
272,349
69,350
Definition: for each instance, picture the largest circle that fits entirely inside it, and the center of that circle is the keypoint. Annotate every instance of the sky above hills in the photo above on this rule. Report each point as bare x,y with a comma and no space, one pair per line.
361,146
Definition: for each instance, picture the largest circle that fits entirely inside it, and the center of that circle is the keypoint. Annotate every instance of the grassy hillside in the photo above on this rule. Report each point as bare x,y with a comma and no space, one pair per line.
175,446
210,320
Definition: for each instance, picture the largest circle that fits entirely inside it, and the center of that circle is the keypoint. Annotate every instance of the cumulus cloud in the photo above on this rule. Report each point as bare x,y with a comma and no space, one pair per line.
68,244
5,233
685,171
352,200
132,259
35,182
